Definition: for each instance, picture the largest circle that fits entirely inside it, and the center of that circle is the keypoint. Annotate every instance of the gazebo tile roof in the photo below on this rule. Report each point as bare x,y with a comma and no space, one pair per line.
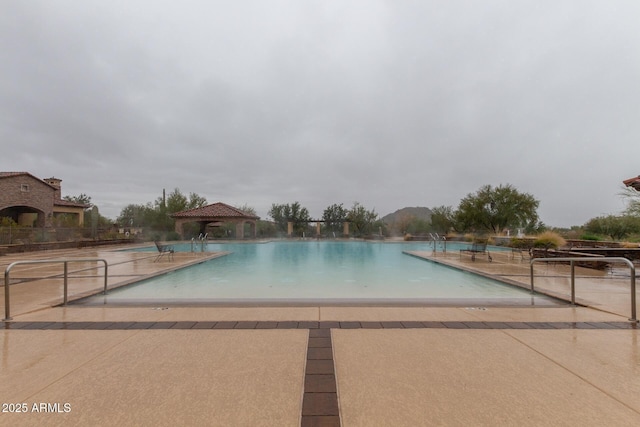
215,210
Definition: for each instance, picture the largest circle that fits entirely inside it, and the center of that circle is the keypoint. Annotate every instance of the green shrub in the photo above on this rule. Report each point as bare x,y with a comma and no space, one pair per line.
520,243
6,221
172,236
549,240
589,236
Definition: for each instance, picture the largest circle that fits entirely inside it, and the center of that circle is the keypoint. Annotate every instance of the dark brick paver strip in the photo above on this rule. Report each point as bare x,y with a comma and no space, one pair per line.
287,325
225,325
267,325
392,325
246,325
183,325
350,325
142,325
315,353
371,325
316,329
320,342
163,325
410,325
320,367
308,325
204,325
320,399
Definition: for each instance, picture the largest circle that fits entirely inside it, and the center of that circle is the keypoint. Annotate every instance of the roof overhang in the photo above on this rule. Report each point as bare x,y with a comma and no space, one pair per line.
633,183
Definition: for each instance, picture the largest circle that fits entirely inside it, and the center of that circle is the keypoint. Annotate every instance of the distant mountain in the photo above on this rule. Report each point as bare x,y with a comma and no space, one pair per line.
417,212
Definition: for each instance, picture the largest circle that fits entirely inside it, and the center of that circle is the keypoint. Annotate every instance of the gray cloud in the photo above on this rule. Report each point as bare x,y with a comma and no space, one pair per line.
391,104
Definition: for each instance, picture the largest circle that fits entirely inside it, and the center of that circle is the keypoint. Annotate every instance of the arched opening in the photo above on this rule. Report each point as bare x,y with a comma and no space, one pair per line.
25,216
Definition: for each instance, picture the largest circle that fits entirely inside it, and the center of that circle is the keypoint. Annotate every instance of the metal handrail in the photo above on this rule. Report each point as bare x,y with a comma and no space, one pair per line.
571,261
7,304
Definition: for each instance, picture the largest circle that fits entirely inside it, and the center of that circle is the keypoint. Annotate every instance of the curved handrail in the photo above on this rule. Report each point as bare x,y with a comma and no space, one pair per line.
572,260
66,261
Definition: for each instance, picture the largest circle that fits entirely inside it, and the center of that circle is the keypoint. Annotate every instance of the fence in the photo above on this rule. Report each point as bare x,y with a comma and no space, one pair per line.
31,235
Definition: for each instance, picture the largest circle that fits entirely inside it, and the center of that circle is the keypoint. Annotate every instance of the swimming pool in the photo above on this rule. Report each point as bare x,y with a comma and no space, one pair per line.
318,271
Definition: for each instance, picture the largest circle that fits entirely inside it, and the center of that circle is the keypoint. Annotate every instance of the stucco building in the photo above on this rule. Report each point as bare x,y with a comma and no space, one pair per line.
35,202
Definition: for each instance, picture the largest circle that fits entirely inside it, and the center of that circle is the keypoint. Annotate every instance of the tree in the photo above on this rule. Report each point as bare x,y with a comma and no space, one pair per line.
494,209
174,202
616,227
82,198
196,201
401,225
247,209
334,216
417,226
157,215
280,214
283,214
363,221
136,215
442,219
633,196
67,220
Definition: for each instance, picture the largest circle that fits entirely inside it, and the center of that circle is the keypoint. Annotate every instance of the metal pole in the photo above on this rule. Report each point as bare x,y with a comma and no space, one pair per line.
7,315
633,291
632,269
573,283
66,283
7,280
531,274
105,276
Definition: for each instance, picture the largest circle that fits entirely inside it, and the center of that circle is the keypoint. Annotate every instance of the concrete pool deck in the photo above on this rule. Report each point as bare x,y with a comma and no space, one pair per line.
290,366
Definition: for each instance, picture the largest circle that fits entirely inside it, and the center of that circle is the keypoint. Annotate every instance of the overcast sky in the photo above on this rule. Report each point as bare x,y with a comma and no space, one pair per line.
388,103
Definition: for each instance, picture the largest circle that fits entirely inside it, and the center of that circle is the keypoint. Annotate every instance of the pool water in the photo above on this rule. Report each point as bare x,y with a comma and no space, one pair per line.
317,271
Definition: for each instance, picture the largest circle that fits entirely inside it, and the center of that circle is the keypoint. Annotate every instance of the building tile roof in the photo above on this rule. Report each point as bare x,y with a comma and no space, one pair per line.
633,182
6,174
12,174
215,210
62,202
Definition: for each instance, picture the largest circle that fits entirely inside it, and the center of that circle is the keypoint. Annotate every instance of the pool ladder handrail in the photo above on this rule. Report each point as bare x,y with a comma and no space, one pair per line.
66,261
203,241
572,260
438,238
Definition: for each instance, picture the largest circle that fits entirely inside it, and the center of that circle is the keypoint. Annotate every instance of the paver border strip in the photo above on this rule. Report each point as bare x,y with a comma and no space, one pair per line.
292,324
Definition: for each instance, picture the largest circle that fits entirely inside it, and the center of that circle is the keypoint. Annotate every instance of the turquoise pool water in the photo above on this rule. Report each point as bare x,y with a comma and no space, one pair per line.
315,271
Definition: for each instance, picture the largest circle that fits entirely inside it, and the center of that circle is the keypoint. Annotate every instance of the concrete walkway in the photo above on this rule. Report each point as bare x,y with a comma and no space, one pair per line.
291,366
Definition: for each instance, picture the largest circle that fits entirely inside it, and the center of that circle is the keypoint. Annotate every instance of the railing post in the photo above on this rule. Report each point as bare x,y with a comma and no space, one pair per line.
66,283
633,291
531,275
7,280
7,314
573,283
105,276
632,269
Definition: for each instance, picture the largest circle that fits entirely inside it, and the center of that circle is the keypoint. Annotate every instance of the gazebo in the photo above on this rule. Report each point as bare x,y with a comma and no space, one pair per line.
216,213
